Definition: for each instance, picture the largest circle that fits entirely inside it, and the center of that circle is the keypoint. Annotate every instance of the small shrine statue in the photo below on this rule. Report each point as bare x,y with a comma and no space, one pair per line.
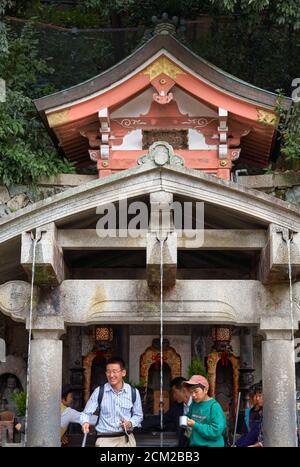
8,394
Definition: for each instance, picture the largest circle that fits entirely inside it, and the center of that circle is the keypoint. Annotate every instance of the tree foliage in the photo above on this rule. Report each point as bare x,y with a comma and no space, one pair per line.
197,367
255,40
26,152
278,12
20,399
289,127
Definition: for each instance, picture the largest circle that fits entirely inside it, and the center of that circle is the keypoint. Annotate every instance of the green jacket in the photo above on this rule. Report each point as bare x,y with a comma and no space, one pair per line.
210,423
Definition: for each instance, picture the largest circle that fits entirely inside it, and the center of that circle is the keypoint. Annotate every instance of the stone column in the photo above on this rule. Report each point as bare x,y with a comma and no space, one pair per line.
278,373
45,384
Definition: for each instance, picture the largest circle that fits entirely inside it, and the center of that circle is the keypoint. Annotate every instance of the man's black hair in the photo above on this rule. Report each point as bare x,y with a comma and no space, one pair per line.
66,390
177,382
256,388
116,360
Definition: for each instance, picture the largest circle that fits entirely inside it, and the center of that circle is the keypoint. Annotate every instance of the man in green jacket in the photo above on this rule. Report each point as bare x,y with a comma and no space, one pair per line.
205,416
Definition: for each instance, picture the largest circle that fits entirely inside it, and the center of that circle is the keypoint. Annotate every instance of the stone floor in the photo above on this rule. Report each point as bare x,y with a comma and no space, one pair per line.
142,439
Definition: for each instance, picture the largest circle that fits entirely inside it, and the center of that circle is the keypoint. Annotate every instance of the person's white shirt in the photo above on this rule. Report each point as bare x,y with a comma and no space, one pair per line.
70,415
187,406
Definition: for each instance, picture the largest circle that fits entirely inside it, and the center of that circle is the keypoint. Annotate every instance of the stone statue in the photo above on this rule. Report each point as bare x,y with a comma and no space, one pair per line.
8,394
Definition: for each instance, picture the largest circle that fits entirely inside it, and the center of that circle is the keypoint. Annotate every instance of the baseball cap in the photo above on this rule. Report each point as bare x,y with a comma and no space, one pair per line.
198,380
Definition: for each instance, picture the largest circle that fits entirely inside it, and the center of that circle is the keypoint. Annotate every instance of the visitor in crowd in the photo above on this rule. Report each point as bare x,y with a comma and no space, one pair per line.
179,407
119,414
182,400
252,436
69,415
205,416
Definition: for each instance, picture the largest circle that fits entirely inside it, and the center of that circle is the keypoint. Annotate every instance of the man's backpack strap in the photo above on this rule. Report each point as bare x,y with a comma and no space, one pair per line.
100,397
133,397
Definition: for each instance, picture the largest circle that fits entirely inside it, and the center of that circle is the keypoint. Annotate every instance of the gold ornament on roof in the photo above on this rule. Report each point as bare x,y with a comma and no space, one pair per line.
162,65
266,117
58,118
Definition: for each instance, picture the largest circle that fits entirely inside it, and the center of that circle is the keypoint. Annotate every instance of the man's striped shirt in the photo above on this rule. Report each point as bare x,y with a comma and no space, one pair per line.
115,407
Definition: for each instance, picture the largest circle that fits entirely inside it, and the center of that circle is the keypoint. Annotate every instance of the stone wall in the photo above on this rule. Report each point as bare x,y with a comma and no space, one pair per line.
19,196
285,185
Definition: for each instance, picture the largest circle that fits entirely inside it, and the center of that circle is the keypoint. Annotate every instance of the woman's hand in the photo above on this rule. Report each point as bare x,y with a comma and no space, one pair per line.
190,422
86,427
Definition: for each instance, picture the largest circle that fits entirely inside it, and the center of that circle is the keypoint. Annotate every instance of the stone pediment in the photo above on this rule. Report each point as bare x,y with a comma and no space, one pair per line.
152,176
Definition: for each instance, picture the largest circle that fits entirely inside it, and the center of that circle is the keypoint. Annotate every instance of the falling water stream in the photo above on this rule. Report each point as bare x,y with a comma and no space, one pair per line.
288,242
161,400
34,243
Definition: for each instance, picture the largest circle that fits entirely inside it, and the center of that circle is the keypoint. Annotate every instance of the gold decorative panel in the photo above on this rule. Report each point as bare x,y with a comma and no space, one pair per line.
103,334
266,117
87,365
58,118
151,356
212,361
162,65
178,139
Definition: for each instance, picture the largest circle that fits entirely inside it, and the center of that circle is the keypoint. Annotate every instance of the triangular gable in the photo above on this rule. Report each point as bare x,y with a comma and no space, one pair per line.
145,179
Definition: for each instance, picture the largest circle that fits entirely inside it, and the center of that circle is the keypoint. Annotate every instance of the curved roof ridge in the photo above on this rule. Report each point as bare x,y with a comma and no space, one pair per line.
129,64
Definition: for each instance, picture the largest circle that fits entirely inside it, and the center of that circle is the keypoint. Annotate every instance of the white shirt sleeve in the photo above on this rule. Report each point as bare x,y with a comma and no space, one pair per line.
73,416
69,416
90,408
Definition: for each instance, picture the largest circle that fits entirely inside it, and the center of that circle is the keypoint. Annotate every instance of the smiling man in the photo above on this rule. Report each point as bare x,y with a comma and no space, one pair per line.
205,416
120,408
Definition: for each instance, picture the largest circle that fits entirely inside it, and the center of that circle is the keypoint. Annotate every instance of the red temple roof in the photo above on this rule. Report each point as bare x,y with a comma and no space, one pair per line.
174,89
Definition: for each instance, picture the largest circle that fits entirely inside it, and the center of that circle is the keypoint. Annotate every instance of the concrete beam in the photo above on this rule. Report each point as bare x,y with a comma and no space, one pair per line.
88,239
141,273
274,259
226,239
191,301
49,263
80,302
